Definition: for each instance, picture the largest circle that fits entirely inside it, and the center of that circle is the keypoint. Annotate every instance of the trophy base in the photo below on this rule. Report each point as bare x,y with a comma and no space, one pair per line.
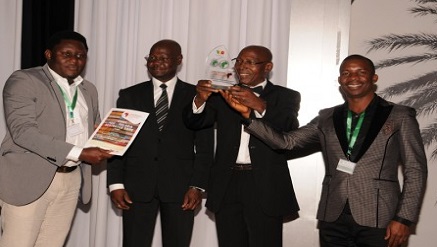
222,84
223,87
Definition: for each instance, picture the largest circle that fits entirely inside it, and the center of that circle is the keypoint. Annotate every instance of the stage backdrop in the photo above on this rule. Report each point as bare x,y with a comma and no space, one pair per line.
308,39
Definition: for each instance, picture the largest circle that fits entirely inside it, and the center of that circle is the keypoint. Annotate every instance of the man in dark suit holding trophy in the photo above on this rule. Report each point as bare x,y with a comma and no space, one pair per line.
250,189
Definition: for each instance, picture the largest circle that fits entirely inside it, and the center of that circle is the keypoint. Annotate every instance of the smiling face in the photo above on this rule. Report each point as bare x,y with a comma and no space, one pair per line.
253,64
357,78
163,60
67,59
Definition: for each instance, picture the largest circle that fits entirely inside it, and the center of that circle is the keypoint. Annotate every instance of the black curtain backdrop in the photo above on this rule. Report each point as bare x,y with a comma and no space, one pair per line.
41,19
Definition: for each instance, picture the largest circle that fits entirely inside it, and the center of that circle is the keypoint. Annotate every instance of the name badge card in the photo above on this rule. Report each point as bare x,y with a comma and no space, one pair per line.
346,166
74,128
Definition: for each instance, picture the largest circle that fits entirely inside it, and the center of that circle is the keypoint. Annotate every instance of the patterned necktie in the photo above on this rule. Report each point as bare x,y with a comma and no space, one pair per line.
162,108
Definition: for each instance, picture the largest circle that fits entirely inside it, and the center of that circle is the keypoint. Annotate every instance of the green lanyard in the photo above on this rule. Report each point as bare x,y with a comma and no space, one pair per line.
70,104
352,137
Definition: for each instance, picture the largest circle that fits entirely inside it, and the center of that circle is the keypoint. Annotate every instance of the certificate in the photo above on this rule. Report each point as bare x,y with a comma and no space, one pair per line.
118,130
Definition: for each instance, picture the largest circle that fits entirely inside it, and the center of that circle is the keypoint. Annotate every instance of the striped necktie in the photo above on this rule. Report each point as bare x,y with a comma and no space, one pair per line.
162,108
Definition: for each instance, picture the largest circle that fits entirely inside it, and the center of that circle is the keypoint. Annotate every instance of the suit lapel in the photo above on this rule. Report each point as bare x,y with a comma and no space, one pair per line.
147,103
269,86
144,101
53,85
381,114
175,101
88,100
340,128
179,99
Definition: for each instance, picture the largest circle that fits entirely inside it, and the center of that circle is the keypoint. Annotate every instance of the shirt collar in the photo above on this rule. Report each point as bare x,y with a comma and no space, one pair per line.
262,84
170,83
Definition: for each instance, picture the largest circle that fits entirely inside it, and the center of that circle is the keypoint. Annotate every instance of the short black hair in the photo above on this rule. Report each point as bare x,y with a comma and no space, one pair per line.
360,57
56,38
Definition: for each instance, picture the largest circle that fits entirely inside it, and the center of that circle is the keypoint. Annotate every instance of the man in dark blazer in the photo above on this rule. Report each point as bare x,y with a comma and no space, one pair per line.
250,189
363,142
163,170
43,146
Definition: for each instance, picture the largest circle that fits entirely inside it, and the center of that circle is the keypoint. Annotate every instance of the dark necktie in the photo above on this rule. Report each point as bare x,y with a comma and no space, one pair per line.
162,108
257,90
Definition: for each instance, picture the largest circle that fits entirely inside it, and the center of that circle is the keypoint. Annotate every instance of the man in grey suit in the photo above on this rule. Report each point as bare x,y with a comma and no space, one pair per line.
363,142
50,112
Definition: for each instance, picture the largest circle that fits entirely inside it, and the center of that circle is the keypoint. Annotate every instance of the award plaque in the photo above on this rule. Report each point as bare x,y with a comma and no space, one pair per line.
219,68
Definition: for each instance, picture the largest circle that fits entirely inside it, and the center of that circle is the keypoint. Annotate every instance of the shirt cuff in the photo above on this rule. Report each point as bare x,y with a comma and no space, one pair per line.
402,221
113,187
74,154
260,115
198,188
198,110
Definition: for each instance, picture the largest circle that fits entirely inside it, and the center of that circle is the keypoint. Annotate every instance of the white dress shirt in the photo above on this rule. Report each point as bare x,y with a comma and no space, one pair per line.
80,114
243,151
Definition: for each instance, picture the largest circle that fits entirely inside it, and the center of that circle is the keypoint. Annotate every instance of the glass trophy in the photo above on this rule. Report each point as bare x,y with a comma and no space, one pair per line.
219,68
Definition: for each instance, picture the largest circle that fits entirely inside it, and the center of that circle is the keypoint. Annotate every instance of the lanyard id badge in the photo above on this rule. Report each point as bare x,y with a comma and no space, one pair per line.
74,125
348,166
74,129
353,135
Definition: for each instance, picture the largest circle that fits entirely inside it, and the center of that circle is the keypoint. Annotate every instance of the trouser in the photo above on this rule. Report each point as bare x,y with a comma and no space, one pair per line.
139,224
241,222
345,232
46,221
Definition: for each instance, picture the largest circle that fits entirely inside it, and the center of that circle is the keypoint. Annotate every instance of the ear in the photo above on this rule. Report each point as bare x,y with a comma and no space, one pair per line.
375,78
179,59
48,54
268,67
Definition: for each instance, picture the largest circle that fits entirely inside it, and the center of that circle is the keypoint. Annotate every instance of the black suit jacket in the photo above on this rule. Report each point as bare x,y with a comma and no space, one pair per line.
272,177
162,163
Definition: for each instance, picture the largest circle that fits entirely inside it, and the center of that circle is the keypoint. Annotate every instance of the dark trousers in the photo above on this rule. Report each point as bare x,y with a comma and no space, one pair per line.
241,222
139,224
345,232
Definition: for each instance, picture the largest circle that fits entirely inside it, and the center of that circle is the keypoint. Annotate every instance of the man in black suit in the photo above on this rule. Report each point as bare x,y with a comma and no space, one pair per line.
167,165
250,189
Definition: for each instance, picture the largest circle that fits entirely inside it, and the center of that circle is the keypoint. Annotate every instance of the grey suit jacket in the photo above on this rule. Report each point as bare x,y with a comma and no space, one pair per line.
34,145
373,190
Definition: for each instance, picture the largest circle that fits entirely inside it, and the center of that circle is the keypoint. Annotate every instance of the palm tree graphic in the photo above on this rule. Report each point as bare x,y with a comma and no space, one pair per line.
421,90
